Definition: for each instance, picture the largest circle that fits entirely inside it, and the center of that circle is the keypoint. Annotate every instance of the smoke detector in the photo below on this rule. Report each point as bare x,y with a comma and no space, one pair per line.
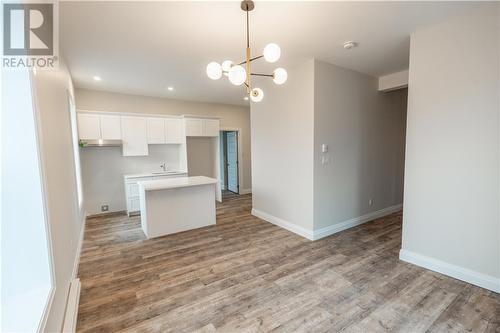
350,44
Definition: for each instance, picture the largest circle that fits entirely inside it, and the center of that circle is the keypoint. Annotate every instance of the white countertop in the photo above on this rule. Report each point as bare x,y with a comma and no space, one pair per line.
155,174
177,182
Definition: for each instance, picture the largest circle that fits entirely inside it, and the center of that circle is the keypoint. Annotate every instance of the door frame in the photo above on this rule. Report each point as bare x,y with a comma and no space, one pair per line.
240,153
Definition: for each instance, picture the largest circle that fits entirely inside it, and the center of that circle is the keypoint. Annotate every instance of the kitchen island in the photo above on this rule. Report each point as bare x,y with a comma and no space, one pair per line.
132,186
176,204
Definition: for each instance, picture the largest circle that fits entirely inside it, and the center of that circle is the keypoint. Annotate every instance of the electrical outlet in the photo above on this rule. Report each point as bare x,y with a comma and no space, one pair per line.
104,208
370,202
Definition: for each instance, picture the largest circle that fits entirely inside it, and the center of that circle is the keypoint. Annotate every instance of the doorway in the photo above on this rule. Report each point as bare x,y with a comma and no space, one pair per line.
230,181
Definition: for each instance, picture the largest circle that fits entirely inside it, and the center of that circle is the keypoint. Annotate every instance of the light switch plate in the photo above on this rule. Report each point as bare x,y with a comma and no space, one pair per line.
324,148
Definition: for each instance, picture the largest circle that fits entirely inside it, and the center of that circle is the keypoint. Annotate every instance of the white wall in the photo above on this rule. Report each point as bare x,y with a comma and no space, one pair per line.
231,116
451,200
103,169
282,148
26,272
365,132
65,217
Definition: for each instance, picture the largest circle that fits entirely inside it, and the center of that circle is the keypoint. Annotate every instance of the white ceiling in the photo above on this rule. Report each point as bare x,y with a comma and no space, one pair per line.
143,47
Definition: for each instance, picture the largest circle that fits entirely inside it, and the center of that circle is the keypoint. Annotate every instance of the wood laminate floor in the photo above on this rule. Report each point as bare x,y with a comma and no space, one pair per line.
247,275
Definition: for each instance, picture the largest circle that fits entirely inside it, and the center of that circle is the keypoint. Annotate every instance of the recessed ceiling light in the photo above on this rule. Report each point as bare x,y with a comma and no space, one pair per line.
170,88
350,44
97,78
245,98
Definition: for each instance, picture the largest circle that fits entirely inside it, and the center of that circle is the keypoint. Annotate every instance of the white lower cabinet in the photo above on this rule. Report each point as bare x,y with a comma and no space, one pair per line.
135,205
132,189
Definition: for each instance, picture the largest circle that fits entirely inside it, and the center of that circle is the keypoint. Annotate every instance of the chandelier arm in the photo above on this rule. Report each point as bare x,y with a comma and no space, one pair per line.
260,74
251,59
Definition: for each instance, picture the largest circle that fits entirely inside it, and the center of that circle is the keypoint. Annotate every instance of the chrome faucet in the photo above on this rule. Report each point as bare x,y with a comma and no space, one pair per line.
164,166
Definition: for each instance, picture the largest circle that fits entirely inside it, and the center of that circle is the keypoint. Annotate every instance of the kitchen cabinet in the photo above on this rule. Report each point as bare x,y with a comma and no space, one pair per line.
156,130
134,136
194,127
211,127
201,127
173,131
165,131
111,128
97,126
88,127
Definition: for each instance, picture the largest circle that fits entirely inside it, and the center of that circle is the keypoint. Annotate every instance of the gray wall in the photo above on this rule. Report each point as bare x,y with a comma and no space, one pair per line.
103,169
201,156
451,202
231,116
282,148
365,132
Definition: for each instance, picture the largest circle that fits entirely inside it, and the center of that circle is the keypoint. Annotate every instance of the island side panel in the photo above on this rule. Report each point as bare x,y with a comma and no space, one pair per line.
173,210
143,207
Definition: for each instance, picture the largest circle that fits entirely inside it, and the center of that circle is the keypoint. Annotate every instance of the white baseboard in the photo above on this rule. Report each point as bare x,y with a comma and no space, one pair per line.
71,315
46,310
457,272
337,227
301,231
79,247
327,231
246,191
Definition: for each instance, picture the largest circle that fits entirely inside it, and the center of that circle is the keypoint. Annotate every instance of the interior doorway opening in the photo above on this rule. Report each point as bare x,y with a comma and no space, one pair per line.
230,175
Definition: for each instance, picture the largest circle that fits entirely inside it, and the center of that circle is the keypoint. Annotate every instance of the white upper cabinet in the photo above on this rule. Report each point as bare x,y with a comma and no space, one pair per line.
173,131
111,128
156,130
136,132
134,136
88,127
97,126
194,127
164,130
211,127
202,127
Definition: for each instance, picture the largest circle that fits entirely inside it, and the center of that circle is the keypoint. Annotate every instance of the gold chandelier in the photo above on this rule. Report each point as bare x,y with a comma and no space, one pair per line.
238,75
